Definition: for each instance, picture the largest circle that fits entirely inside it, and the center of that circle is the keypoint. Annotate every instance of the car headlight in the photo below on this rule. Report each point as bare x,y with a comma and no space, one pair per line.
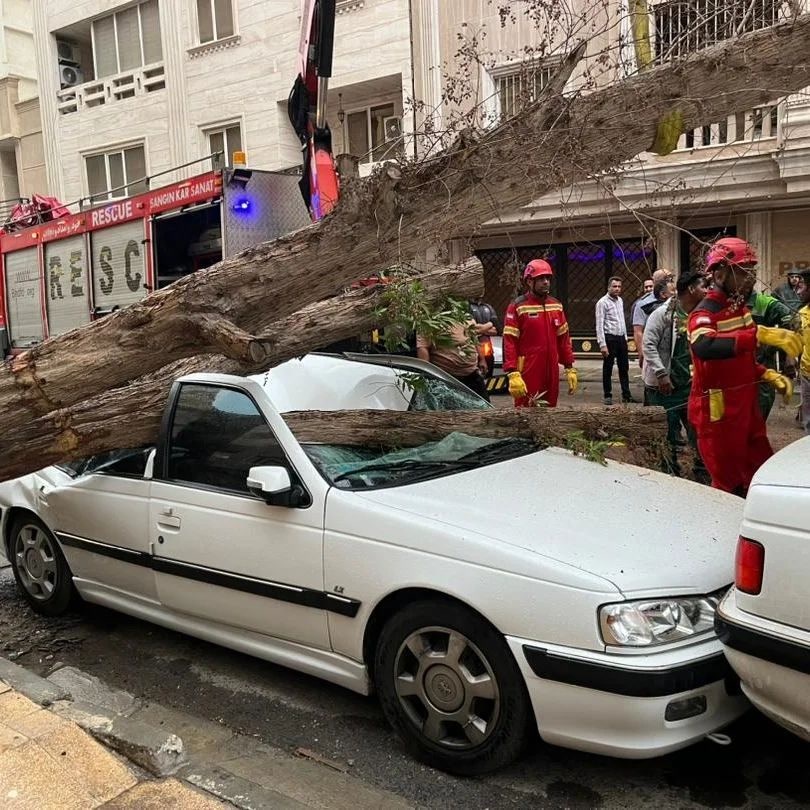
649,622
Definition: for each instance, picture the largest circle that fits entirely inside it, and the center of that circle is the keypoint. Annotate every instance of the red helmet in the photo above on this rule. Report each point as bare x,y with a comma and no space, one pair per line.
536,268
730,249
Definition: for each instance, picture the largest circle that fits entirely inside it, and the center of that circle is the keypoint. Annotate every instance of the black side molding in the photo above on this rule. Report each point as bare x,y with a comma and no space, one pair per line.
619,680
761,645
282,592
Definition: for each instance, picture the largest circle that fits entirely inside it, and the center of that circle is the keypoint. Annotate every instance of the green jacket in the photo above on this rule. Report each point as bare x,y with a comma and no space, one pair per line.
769,311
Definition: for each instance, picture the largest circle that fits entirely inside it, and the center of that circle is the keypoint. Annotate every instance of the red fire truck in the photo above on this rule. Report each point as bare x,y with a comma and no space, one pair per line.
61,274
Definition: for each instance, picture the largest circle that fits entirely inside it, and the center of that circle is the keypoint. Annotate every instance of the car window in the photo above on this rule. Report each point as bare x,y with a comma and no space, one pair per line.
130,463
217,435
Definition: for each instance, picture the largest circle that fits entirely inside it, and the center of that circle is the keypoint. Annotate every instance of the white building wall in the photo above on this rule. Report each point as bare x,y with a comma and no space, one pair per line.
245,78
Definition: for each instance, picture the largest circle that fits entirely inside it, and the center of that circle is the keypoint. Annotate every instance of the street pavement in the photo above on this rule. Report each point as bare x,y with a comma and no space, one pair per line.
47,761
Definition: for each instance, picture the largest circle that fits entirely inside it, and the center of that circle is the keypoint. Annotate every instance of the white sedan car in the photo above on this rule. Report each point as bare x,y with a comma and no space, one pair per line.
764,620
482,587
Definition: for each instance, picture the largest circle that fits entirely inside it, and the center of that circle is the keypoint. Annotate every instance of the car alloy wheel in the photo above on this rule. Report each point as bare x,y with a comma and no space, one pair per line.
447,688
36,561
39,567
451,689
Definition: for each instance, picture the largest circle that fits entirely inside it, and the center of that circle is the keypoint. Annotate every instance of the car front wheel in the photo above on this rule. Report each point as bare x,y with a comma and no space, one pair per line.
39,567
450,686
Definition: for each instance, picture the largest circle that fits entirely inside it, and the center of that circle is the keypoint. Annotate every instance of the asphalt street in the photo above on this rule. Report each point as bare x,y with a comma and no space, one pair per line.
763,767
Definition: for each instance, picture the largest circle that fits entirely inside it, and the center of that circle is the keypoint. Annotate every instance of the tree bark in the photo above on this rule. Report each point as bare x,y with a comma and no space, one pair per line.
129,416
386,220
645,427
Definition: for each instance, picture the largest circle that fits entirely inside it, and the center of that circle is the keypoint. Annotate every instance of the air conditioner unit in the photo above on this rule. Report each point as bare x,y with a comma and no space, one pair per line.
68,53
392,127
70,76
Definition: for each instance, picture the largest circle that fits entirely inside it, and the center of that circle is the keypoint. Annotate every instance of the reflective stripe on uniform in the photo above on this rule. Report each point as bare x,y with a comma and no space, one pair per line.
732,324
698,333
513,331
563,329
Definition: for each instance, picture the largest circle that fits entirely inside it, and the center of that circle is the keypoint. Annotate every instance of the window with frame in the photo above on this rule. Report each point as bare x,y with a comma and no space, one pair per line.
521,85
215,20
685,26
223,142
127,39
217,435
374,133
118,173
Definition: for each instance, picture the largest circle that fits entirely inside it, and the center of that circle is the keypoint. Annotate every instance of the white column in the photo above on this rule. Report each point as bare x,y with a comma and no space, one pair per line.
174,56
45,46
758,232
668,246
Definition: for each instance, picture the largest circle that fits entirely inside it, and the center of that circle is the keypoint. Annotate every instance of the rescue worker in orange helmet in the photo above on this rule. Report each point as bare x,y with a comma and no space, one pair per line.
536,341
723,405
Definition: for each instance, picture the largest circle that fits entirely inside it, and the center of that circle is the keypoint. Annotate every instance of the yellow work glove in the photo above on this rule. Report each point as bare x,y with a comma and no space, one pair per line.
517,388
780,383
785,339
573,380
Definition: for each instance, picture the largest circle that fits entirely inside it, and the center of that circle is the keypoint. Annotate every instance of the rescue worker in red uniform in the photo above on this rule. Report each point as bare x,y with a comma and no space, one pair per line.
536,341
723,405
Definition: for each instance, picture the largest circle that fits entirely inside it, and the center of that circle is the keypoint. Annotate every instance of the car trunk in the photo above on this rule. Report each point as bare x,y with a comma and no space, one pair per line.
777,514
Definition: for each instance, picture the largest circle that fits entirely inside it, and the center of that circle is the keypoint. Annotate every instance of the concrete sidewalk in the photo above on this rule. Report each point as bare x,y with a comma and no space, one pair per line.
47,761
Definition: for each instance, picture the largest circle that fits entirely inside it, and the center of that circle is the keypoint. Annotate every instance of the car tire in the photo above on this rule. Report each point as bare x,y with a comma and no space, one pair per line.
450,686
40,569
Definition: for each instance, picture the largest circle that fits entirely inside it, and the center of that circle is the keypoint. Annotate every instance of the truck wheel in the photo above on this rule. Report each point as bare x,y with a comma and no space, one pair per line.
39,567
449,685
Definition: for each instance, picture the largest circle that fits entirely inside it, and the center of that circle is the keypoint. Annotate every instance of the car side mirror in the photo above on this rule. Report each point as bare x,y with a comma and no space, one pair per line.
274,486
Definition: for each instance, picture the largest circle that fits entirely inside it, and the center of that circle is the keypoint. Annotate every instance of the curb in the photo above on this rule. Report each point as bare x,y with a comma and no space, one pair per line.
39,690
151,749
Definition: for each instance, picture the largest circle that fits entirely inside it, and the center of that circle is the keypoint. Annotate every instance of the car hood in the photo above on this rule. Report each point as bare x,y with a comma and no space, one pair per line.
645,532
790,467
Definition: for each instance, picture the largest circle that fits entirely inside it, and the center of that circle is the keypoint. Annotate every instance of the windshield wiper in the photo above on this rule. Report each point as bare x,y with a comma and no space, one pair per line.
409,465
500,451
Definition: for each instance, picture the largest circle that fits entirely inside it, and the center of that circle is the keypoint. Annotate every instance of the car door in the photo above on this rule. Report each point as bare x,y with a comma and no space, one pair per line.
102,522
220,552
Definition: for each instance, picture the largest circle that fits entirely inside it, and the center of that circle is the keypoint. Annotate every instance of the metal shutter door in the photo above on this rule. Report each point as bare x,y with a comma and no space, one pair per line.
66,296
24,296
119,265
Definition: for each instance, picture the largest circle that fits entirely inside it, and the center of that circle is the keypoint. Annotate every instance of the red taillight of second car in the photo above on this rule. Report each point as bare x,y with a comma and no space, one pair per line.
749,566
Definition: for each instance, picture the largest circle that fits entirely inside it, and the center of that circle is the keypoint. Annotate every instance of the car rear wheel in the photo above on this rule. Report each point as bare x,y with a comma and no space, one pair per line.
450,686
39,567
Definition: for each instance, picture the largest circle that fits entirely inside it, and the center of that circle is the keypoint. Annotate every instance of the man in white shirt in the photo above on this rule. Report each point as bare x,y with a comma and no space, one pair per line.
611,334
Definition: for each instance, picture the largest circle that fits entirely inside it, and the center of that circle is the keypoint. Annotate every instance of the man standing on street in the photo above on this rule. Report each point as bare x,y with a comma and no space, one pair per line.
456,352
788,293
647,304
611,334
667,362
723,406
536,341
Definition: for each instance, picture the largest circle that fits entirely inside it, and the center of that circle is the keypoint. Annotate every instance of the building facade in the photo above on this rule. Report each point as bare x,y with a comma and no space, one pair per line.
747,176
22,164
134,90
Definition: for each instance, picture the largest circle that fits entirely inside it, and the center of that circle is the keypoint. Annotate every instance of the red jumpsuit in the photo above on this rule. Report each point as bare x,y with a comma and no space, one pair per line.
535,342
723,405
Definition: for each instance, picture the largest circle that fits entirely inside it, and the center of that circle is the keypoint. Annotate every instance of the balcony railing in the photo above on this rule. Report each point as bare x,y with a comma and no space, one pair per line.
747,127
110,89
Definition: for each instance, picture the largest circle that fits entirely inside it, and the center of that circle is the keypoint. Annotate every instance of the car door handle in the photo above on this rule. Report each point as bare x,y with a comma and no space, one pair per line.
167,519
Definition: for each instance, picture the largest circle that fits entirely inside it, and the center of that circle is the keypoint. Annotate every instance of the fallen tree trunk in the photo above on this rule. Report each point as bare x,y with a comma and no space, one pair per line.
393,216
546,426
129,416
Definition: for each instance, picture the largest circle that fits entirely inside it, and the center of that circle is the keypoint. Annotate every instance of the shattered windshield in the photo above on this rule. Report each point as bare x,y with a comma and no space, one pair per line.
368,468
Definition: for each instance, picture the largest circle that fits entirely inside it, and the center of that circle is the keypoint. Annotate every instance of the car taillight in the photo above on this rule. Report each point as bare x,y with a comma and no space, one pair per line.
486,348
749,565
